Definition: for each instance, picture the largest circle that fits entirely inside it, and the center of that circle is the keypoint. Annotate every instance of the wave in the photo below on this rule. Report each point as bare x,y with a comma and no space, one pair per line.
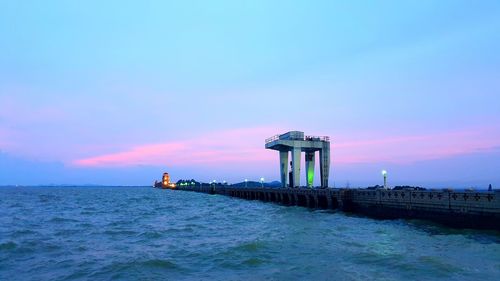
8,246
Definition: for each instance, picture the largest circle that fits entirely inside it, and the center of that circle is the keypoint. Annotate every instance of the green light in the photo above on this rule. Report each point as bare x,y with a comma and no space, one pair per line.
310,178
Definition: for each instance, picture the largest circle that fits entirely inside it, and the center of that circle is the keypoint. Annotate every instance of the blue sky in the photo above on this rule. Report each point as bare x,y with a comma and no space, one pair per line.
117,92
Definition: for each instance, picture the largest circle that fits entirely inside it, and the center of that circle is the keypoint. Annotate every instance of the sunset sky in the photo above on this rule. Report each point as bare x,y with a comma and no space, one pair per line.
117,92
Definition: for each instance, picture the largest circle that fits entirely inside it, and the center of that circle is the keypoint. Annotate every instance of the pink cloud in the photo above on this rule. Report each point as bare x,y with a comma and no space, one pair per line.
218,148
408,149
4,138
246,146
14,110
20,118
140,155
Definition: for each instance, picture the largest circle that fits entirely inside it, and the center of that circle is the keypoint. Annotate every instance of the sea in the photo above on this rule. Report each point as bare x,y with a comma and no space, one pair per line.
142,233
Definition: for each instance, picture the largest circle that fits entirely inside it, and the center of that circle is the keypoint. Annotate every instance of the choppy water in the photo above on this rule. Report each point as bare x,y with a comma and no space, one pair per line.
144,233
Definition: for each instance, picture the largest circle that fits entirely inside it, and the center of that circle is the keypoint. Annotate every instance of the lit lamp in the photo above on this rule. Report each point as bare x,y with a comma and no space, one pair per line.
262,182
384,173
246,182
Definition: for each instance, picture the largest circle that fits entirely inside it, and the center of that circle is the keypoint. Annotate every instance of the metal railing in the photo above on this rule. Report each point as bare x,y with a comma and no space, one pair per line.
317,138
273,138
306,138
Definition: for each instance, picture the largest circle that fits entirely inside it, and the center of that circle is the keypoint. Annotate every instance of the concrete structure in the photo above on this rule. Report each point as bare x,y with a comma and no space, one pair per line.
295,142
471,209
165,182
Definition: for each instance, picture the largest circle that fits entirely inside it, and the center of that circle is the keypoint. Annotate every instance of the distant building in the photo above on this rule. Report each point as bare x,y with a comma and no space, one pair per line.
165,182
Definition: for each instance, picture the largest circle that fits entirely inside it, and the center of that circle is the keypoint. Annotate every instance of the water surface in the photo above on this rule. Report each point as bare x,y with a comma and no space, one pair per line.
130,233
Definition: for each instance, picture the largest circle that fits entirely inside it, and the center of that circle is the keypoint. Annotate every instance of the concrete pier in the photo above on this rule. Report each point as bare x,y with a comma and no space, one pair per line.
295,142
469,209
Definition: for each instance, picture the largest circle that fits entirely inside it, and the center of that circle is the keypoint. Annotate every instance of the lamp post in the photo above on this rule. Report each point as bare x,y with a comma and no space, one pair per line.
384,173
262,182
246,182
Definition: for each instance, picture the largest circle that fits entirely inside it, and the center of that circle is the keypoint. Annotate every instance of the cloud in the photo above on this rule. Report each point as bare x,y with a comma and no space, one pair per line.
413,148
218,148
23,120
16,110
4,138
140,155
245,146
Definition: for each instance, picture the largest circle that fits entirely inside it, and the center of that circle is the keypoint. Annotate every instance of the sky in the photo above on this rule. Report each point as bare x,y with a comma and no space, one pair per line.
117,92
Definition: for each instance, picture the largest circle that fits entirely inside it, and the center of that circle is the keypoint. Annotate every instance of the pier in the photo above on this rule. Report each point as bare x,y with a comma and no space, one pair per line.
464,209
468,209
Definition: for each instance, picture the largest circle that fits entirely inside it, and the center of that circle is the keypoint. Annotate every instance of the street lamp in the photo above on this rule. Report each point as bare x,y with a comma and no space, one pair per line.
262,182
246,182
384,173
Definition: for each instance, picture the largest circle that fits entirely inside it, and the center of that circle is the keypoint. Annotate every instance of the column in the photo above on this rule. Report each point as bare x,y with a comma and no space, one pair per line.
324,164
310,168
284,168
296,166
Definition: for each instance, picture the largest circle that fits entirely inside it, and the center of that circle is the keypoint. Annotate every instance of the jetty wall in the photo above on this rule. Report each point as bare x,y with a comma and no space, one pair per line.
471,209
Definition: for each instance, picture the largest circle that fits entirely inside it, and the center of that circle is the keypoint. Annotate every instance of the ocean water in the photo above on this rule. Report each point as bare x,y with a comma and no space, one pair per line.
140,233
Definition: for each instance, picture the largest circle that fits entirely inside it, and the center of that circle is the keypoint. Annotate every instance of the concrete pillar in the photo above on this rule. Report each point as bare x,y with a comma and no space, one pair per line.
284,168
324,164
329,201
296,166
316,201
310,168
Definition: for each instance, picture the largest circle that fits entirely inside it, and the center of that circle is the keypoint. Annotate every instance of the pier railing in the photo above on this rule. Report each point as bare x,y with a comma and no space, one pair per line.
273,138
306,138
315,138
